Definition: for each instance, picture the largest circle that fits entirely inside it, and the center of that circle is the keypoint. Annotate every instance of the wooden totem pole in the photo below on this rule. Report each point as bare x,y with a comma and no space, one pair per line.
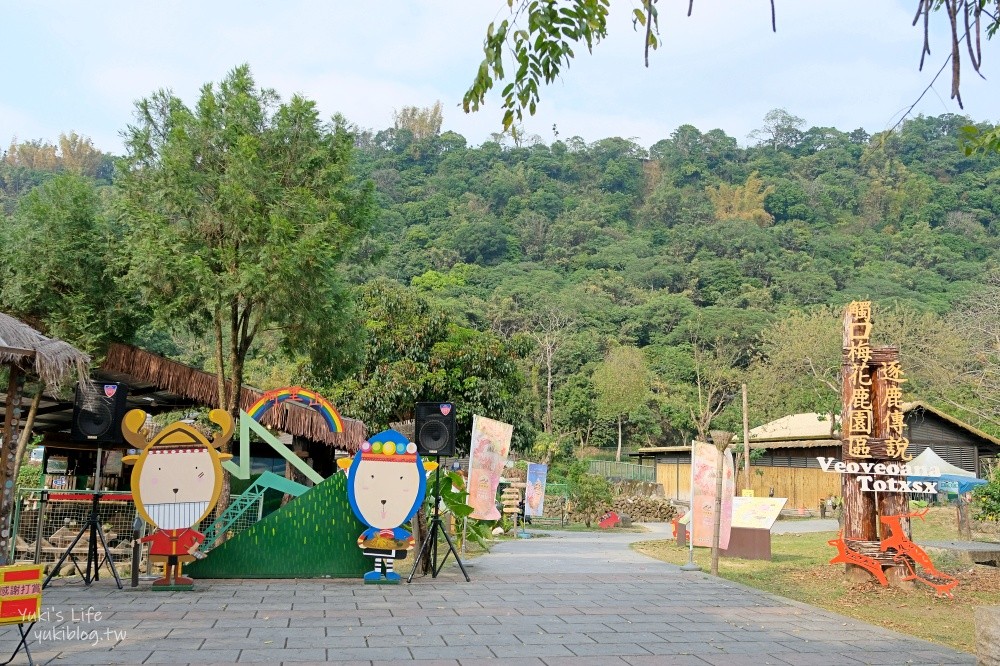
872,432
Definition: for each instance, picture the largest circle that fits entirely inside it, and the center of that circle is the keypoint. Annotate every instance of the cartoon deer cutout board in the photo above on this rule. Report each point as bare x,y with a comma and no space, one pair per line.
386,482
176,483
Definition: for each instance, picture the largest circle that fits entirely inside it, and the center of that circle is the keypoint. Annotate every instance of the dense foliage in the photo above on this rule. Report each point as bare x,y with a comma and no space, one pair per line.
987,498
718,262
503,277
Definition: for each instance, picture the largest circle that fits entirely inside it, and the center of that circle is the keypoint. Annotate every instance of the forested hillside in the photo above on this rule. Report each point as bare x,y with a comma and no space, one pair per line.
576,288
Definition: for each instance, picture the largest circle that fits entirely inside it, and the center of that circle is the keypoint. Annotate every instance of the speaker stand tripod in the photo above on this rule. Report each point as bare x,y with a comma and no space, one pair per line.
96,532
430,545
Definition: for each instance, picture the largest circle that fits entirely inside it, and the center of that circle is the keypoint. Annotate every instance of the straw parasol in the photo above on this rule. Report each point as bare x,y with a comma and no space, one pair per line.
25,351
53,361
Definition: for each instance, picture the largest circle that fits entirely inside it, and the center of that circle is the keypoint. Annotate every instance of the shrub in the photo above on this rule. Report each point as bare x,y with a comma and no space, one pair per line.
590,495
987,499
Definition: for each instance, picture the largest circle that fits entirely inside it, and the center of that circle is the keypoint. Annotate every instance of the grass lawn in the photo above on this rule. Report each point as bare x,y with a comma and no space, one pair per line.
800,570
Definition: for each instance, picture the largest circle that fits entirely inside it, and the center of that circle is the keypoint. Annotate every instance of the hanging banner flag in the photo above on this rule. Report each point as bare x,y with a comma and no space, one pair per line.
487,456
706,460
534,493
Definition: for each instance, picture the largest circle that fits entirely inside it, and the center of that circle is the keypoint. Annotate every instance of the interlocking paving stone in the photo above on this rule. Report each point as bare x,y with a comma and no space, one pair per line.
742,660
505,651
295,654
542,638
665,660
173,656
572,598
509,661
618,649
451,652
597,660
818,659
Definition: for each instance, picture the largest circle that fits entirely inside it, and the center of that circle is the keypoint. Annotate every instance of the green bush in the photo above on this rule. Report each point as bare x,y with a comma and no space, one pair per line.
30,475
987,499
590,495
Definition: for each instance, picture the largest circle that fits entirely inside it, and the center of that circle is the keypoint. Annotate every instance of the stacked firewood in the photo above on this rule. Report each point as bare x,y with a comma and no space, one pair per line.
645,509
639,509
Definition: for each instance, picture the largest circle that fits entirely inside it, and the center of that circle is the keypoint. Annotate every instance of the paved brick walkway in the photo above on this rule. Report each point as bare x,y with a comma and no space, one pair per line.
571,598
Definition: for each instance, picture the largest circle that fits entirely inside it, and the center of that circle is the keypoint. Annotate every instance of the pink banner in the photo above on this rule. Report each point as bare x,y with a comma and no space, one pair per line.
487,456
706,460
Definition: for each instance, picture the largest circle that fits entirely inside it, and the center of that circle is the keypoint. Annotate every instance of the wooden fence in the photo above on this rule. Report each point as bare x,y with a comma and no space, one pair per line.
804,487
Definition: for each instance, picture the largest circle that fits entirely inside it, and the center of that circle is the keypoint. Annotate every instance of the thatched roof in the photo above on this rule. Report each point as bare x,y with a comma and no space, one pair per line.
55,362
202,388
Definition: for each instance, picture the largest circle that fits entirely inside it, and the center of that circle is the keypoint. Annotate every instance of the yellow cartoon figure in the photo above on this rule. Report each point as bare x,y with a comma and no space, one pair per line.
176,483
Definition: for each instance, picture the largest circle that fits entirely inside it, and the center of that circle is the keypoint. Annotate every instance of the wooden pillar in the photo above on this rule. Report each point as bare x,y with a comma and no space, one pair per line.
859,507
860,511
7,461
746,442
889,503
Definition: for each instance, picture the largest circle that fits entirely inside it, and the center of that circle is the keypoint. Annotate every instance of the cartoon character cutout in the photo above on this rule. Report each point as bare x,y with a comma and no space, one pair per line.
386,482
176,483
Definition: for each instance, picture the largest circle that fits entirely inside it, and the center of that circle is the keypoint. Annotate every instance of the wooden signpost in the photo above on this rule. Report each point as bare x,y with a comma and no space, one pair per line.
876,536
511,500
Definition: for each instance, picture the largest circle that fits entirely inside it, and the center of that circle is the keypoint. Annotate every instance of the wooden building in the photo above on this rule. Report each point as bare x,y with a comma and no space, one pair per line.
788,465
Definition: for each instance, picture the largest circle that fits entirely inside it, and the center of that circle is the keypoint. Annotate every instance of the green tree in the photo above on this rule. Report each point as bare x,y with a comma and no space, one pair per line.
60,264
781,130
239,210
480,373
799,365
590,495
399,333
423,123
621,383
742,202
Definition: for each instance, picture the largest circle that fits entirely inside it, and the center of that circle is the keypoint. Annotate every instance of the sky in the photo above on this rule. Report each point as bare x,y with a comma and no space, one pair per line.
75,66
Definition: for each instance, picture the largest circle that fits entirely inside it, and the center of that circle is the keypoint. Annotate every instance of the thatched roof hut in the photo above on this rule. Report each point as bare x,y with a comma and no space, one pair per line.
200,387
55,362
25,351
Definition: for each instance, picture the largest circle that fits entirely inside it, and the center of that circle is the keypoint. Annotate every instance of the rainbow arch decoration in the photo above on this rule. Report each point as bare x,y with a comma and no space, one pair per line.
302,396
250,423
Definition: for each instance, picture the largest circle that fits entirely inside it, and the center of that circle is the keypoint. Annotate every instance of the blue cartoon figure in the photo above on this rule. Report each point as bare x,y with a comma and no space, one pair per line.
386,481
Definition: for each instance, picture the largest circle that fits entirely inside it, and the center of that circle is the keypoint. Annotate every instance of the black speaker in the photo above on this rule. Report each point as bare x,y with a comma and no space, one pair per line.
434,428
98,410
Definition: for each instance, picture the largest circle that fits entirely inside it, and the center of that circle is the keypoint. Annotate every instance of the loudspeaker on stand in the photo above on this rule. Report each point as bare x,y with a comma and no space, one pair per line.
98,410
434,428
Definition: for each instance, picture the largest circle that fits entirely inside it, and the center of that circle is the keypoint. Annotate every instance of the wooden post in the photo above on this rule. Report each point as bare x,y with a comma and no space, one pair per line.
889,504
7,462
860,512
746,442
29,424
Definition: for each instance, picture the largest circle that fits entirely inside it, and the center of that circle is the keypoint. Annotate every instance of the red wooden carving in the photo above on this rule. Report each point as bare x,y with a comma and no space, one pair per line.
902,551
848,556
911,554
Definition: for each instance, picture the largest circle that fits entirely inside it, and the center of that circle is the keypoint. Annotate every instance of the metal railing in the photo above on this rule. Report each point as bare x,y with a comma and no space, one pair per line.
246,509
46,521
622,471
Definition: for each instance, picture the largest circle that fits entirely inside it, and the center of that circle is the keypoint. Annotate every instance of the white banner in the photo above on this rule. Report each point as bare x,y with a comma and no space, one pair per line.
706,461
487,456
